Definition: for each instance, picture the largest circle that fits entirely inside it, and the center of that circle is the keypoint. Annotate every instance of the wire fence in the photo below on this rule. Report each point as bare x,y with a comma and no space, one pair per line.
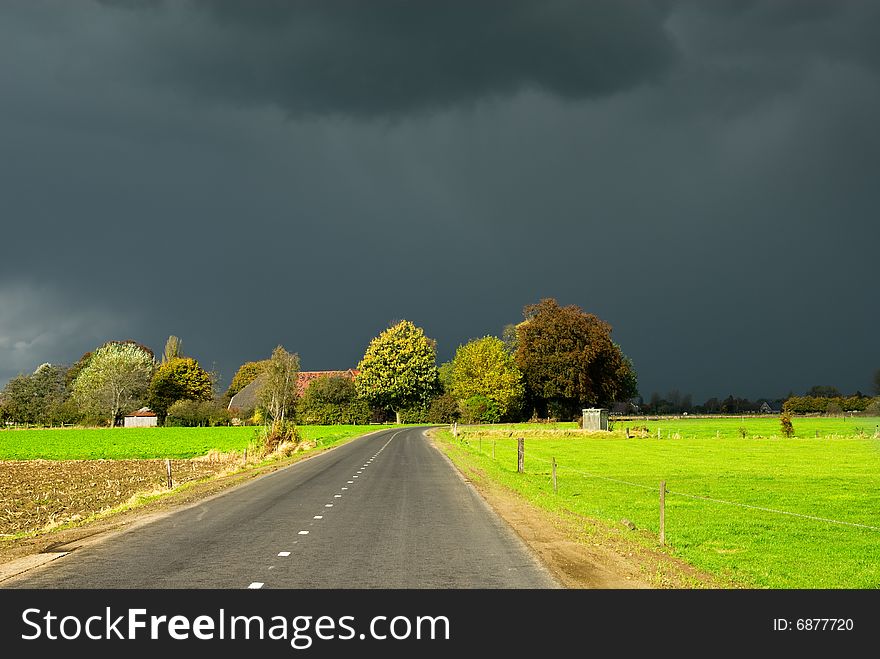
555,466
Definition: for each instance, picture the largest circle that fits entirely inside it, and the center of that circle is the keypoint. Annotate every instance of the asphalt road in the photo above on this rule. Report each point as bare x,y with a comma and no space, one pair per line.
383,511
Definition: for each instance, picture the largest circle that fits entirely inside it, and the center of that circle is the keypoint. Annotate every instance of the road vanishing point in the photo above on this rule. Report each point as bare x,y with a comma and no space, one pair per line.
386,510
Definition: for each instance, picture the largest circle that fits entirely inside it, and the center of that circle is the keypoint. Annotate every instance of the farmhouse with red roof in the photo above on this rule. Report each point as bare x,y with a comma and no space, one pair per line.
247,398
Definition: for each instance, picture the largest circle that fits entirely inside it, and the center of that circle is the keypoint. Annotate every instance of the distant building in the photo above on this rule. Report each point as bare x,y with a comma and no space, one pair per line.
143,418
248,397
595,418
305,377
765,408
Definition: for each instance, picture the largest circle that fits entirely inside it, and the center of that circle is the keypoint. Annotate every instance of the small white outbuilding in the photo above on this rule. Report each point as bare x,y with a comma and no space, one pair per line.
143,418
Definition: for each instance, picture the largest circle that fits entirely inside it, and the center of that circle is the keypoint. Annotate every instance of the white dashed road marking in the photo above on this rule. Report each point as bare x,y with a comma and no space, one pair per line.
256,585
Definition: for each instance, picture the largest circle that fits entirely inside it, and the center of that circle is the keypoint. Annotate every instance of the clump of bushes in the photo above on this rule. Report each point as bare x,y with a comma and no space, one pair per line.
275,436
821,404
444,409
414,414
192,413
330,400
480,409
833,409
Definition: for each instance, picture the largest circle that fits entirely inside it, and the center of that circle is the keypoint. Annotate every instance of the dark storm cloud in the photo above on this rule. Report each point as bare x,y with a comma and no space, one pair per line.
702,175
38,325
394,57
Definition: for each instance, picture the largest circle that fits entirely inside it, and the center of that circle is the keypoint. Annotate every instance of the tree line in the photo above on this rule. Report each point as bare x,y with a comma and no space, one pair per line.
820,399
104,385
554,362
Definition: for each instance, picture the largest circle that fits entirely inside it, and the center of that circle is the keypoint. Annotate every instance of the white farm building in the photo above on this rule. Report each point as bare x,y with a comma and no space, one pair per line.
143,418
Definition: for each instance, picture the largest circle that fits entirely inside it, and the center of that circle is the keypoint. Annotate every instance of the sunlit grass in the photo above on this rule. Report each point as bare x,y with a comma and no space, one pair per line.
122,443
608,477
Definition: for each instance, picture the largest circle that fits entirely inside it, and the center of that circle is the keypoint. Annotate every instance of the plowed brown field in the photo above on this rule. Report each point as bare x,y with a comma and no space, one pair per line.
40,494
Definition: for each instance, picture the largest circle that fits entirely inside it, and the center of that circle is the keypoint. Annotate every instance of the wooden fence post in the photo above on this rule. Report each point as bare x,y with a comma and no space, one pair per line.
520,454
480,444
244,460
493,449
662,512
168,472
553,464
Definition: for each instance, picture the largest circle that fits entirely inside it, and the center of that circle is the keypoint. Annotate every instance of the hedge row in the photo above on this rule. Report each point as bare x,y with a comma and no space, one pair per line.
837,404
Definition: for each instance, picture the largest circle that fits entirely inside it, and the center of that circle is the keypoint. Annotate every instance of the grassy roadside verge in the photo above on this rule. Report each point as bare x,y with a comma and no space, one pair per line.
605,479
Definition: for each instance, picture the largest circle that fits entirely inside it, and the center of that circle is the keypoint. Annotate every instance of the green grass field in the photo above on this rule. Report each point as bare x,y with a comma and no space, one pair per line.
804,427
610,478
123,443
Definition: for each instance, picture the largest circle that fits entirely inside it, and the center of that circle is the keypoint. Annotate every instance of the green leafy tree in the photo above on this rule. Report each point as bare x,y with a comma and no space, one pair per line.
247,373
279,390
179,378
399,369
190,413
444,374
444,409
20,402
37,398
332,399
74,371
480,409
569,361
115,381
484,367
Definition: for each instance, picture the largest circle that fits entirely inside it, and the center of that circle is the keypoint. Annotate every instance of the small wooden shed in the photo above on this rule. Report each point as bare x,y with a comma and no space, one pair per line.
143,418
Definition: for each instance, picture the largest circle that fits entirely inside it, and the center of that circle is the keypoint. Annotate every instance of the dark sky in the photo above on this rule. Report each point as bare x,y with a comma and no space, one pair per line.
705,176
